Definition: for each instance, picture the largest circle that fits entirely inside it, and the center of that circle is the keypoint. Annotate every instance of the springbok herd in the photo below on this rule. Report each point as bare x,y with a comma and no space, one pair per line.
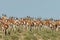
28,22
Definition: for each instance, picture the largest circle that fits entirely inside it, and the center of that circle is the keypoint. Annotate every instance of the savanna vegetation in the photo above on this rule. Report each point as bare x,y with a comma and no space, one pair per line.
43,34
29,28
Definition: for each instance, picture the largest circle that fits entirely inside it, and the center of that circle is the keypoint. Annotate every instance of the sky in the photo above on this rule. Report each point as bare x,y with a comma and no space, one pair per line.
33,8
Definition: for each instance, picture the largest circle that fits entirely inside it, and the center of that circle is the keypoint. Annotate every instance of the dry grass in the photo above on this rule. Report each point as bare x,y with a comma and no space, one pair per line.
43,34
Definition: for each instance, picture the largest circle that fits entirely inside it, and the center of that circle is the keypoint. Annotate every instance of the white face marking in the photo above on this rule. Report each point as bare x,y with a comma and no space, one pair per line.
50,25
24,22
34,23
27,23
3,28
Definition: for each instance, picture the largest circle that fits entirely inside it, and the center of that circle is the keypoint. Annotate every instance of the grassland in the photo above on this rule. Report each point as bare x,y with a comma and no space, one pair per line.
43,34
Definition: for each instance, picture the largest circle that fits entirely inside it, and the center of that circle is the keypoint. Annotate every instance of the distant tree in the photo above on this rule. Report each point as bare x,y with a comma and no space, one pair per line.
51,19
11,17
28,18
4,15
16,18
39,18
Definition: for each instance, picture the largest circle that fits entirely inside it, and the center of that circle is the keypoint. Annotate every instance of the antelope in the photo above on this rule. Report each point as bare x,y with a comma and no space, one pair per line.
57,25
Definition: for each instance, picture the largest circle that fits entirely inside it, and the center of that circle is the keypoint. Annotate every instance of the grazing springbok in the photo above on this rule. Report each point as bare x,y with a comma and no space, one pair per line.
37,24
57,22
4,24
27,23
30,25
